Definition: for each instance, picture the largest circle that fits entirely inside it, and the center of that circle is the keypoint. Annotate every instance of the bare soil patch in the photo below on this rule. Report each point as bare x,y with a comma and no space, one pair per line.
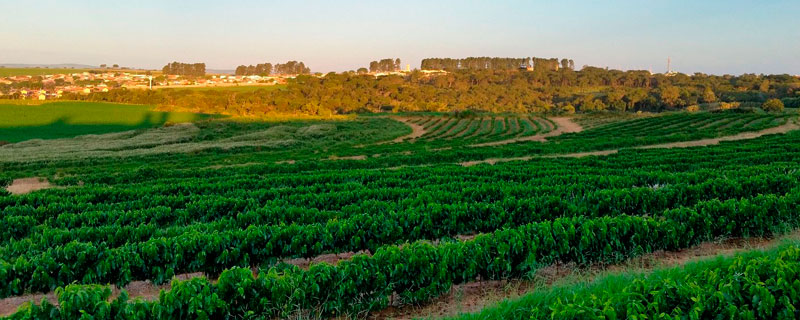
246,164
330,258
526,158
27,185
582,154
359,157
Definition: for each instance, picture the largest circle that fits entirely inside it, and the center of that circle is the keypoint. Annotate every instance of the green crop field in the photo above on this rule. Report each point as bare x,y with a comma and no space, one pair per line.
7,72
20,122
384,215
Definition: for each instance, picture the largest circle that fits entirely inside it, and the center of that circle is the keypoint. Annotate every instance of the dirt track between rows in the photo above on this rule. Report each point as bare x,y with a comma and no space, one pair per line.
416,131
563,125
789,126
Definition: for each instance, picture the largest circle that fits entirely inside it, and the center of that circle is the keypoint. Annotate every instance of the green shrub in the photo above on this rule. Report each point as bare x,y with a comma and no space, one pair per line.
772,105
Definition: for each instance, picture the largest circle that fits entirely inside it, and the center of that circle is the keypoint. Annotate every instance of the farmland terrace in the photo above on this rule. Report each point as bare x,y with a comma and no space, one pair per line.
385,216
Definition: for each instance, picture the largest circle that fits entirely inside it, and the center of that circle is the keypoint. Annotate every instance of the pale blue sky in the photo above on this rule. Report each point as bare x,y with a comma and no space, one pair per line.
701,36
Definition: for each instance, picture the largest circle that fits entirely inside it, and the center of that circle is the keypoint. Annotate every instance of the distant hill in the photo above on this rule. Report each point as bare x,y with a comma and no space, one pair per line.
48,66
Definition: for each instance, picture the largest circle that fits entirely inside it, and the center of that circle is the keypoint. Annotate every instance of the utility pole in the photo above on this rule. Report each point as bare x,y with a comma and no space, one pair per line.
669,69
151,82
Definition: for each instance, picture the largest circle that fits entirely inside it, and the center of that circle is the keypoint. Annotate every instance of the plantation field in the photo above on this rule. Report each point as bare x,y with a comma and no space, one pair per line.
380,216
68,119
481,128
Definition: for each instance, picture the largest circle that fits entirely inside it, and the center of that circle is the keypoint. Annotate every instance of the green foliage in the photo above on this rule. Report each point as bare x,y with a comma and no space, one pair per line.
493,85
791,102
773,105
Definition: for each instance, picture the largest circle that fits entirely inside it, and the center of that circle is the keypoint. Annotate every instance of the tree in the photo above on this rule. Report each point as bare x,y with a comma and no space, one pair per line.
764,86
115,66
185,69
634,96
670,96
773,105
614,100
103,66
362,70
709,96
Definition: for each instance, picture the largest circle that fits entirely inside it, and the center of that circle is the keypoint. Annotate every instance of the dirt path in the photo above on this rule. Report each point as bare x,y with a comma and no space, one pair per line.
475,296
526,158
789,126
358,157
416,131
565,125
26,185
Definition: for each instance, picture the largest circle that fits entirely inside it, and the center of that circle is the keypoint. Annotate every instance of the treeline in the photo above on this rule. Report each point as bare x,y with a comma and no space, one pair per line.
552,64
266,69
385,65
564,91
291,67
494,63
261,69
185,69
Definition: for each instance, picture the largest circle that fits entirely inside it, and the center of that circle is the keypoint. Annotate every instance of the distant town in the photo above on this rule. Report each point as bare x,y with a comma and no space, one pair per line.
55,85
103,79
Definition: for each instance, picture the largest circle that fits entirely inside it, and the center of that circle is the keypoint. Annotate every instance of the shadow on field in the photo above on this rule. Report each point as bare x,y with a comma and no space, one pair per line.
64,128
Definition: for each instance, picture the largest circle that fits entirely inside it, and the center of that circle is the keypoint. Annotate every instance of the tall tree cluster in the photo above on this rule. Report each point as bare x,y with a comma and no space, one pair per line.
261,69
291,68
185,69
495,63
384,65
550,64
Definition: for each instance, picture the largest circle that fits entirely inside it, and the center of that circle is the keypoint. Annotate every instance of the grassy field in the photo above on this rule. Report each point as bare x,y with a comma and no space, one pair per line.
7,72
20,122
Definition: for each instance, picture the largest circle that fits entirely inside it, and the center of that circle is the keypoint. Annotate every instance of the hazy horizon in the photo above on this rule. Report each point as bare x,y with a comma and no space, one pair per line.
718,37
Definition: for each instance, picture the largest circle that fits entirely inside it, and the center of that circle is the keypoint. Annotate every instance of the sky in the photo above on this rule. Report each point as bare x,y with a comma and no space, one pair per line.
709,36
